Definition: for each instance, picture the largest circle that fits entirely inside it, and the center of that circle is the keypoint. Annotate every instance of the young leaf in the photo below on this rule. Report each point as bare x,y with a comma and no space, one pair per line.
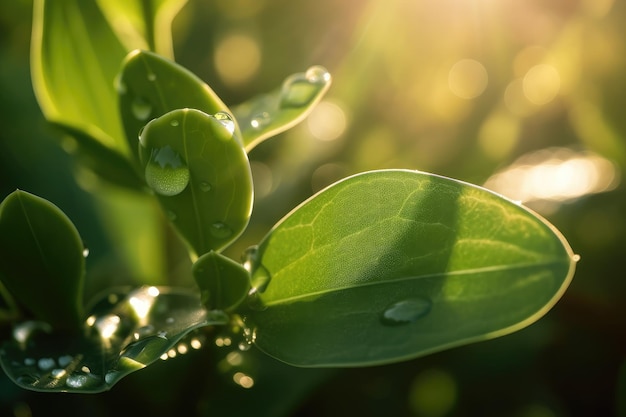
41,259
150,86
74,59
270,114
120,337
201,175
223,282
390,265
143,24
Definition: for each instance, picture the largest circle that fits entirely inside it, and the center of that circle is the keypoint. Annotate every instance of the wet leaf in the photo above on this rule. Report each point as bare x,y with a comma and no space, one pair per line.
223,282
150,86
391,265
200,174
270,114
41,259
124,332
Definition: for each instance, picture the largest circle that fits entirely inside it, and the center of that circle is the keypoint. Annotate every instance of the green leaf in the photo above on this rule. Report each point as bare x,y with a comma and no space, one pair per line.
75,57
124,332
144,24
101,160
223,282
150,86
270,114
391,265
41,259
201,175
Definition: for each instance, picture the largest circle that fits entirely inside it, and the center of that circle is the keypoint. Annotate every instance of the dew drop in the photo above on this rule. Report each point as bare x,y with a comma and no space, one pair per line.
227,121
576,258
152,76
300,89
65,360
166,173
174,123
250,258
141,109
317,74
111,377
76,380
406,311
205,186
85,252
45,364
220,230
29,361
260,120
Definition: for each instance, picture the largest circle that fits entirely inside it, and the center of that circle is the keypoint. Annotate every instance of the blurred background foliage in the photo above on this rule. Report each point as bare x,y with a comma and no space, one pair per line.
525,97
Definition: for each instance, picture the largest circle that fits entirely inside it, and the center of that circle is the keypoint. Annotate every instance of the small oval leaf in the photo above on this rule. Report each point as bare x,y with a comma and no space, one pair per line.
125,332
200,174
391,265
223,282
270,114
150,86
41,259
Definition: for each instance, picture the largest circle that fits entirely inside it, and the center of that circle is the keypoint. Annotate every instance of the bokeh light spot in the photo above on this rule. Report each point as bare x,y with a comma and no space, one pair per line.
498,135
433,393
541,84
327,121
468,78
237,58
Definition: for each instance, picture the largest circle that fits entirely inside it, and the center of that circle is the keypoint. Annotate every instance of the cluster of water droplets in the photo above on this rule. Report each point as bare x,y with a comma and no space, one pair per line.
300,89
260,277
236,340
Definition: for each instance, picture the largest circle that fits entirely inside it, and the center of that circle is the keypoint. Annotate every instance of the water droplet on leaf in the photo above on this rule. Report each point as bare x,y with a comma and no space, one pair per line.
152,76
85,252
220,230
406,311
166,173
299,89
76,380
227,121
45,364
174,123
141,108
205,186
260,120
317,74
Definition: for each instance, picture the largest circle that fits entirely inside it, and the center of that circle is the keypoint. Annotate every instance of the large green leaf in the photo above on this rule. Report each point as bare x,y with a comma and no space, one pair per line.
125,332
150,86
41,259
75,57
270,114
201,175
144,24
390,265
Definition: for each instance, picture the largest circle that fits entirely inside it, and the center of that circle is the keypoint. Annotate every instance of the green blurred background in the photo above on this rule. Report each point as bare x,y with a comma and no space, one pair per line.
525,97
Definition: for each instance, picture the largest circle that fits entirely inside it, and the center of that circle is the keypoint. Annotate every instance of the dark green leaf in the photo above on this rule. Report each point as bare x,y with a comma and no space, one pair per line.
223,282
270,114
390,265
123,333
201,175
41,259
150,86
101,160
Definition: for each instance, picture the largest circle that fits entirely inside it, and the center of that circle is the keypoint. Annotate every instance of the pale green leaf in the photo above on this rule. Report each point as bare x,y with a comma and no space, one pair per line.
270,114
391,265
